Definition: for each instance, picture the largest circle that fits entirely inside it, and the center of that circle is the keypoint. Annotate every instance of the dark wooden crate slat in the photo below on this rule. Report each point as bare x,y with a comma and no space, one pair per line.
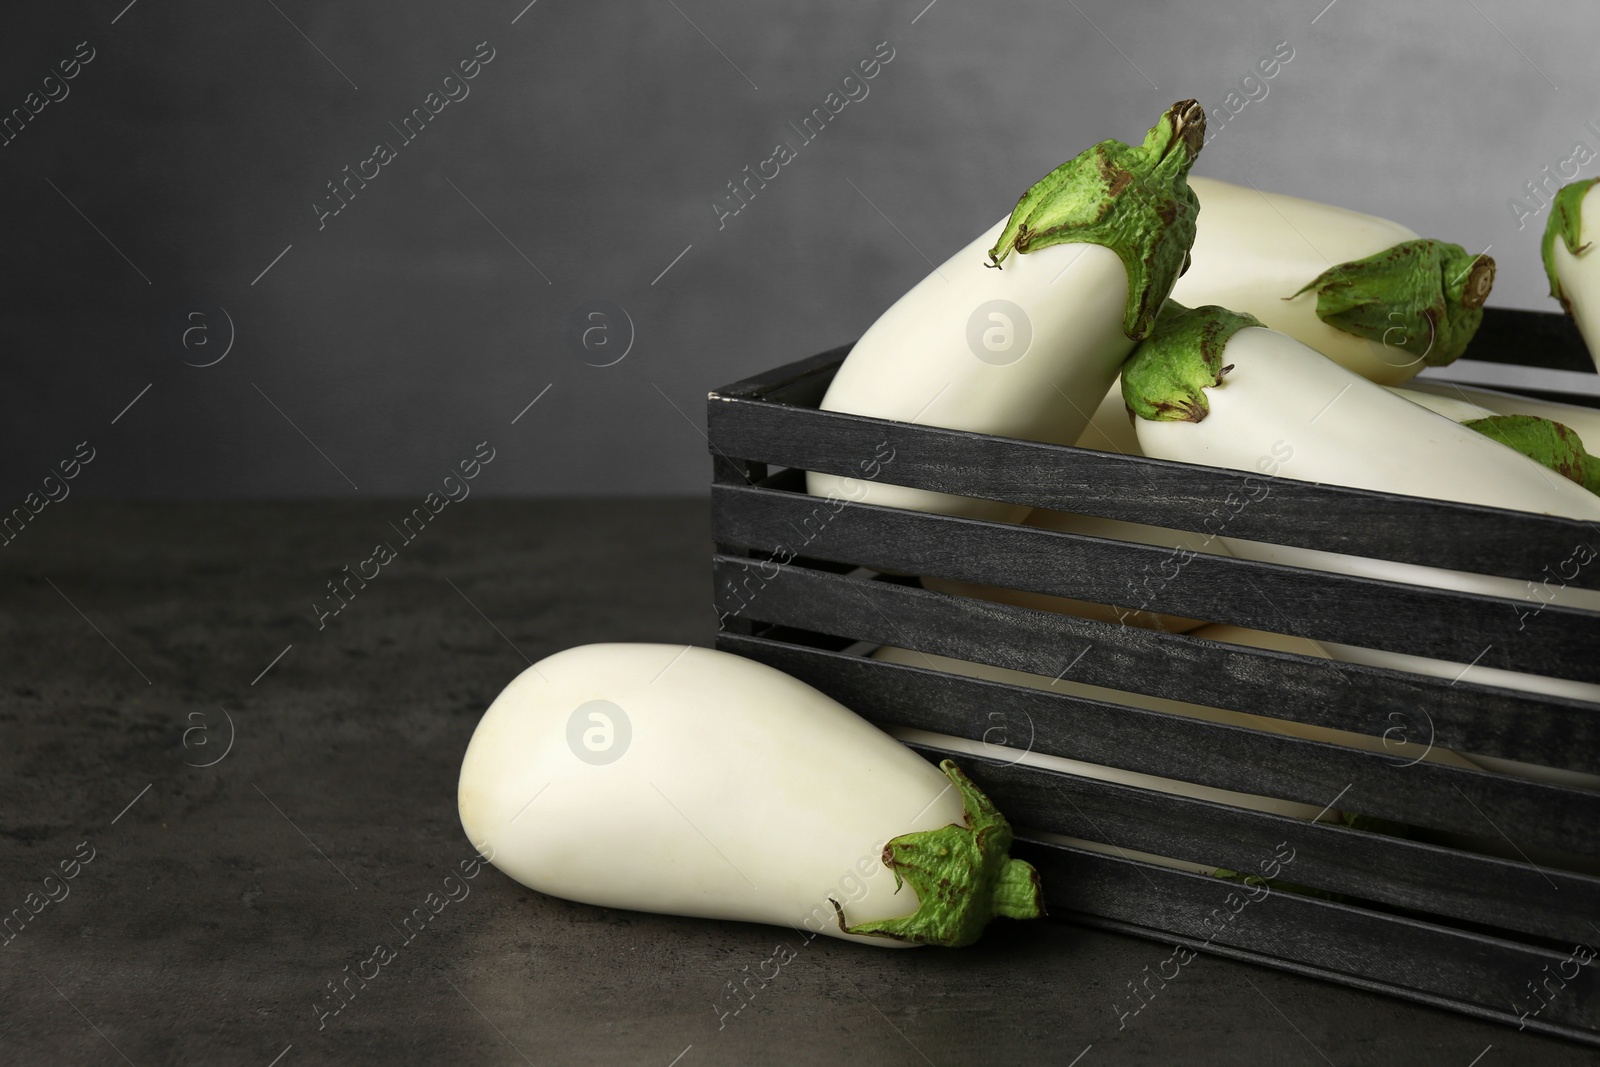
1354,981
797,382
1465,972
1373,867
1181,496
1531,814
1443,624
1548,731
737,471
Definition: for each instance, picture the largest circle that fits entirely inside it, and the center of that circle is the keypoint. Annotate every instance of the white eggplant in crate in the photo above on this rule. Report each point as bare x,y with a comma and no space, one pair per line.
1571,261
1214,387
1025,345
1368,293
1553,443
1584,420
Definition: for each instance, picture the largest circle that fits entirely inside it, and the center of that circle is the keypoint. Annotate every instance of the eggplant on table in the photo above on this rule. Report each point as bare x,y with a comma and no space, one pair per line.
688,781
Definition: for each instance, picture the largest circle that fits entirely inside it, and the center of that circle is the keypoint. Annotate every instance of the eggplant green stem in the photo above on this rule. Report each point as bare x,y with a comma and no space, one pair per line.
1565,223
962,874
1424,297
1553,444
1166,378
1135,201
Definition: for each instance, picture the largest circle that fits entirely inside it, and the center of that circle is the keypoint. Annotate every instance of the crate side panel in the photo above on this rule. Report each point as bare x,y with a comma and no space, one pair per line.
1176,495
1436,623
1248,761
1373,701
1389,870
1463,971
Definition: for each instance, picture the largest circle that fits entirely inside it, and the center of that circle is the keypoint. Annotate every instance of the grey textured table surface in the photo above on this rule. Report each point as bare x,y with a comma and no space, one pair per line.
221,900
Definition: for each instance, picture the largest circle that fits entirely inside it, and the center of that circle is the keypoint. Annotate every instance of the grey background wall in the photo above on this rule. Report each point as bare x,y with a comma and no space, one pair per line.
381,344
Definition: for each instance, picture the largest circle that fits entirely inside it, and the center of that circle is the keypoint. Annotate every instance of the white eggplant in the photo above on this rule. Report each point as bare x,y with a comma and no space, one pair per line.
1212,388
1571,261
1550,442
1585,420
693,782
1217,388
1366,292
1454,408
1028,350
1110,427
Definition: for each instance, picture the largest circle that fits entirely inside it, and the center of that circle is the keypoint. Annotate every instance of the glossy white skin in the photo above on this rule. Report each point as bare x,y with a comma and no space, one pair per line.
1253,249
1344,430
1584,421
1110,428
743,793
1095,526
915,364
1580,275
1459,408
1454,408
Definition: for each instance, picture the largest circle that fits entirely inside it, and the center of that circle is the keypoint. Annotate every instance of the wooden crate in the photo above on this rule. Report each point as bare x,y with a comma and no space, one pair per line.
806,585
